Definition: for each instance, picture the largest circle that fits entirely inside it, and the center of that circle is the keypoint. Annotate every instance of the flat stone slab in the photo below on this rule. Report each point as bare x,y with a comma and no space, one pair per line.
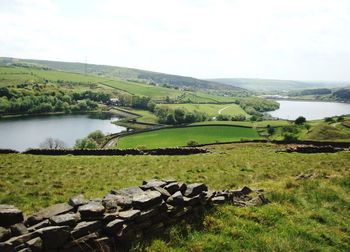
149,184
69,219
146,199
129,214
10,215
113,227
48,212
218,200
18,229
85,227
113,201
77,200
92,209
35,244
176,199
129,191
5,233
172,187
195,189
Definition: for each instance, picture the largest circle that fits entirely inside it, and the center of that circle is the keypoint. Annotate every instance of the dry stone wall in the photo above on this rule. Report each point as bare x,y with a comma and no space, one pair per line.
113,222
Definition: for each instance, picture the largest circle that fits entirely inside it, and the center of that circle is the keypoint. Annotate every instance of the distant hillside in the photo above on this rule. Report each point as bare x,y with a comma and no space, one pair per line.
124,73
269,85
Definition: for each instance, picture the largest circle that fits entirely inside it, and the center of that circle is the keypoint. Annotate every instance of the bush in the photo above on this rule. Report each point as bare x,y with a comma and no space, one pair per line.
329,120
289,137
300,120
192,143
96,135
85,143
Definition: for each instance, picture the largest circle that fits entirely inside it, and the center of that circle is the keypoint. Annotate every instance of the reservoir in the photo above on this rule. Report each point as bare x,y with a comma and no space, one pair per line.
29,132
311,110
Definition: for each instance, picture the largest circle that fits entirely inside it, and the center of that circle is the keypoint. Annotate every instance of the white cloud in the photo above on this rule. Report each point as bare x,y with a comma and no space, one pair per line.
291,39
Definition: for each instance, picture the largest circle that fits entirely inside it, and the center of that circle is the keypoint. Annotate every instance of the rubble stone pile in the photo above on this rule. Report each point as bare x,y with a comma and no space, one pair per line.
121,217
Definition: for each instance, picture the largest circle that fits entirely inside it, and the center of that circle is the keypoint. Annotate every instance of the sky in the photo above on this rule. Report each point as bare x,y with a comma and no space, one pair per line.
274,39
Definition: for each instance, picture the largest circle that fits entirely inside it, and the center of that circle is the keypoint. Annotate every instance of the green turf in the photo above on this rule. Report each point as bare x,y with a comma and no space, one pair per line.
305,215
210,109
181,136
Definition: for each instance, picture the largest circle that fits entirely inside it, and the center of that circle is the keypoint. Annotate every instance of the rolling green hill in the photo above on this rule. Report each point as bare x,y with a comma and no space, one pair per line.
123,73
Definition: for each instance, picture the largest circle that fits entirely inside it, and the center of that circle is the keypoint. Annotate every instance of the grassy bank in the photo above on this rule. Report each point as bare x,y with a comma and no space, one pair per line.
181,136
305,214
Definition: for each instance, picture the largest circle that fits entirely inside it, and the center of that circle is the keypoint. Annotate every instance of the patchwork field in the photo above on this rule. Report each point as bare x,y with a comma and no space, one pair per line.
181,136
306,212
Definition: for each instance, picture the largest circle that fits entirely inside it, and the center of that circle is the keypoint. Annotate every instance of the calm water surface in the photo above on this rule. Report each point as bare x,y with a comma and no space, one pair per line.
311,110
23,133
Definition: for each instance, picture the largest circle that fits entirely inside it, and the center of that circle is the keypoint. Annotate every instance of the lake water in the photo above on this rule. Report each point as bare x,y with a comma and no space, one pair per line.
29,132
311,110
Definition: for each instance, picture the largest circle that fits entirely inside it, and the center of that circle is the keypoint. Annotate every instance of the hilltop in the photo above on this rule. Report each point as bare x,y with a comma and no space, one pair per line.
272,85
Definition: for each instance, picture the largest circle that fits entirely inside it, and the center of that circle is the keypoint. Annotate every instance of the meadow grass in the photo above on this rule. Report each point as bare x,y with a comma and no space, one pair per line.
274,123
210,109
173,137
304,214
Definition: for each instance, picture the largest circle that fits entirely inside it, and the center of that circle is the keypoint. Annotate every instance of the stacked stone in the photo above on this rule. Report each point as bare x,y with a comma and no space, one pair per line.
312,149
107,224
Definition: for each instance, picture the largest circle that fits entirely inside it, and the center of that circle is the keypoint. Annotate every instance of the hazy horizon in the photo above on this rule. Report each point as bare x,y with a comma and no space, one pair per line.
280,40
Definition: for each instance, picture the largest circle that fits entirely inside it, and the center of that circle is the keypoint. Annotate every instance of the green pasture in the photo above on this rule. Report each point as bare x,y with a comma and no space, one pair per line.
173,137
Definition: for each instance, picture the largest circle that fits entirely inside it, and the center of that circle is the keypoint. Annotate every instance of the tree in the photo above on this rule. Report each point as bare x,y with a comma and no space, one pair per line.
51,143
270,130
300,120
192,143
85,143
96,135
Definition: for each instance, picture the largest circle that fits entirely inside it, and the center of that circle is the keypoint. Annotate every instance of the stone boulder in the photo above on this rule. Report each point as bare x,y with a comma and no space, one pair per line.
10,215
91,210
146,199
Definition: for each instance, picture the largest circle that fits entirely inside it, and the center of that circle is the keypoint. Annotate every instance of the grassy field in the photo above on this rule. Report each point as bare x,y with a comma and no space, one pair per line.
181,136
305,214
275,123
210,109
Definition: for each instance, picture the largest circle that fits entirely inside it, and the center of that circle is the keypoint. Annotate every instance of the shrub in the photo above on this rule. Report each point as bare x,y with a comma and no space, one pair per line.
290,137
329,120
192,143
300,120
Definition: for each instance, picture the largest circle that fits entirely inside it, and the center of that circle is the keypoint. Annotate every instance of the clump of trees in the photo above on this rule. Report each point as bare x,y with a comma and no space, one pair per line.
300,120
92,141
223,117
255,105
39,98
178,116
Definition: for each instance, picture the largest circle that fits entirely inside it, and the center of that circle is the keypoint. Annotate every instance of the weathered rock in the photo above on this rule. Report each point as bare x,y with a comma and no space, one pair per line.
10,215
176,199
54,236
108,217
18,240
48,212
5,233
85,227
91,210
106,244
114,202
246,190
218,200
130,191
146,199
169,180
69,219
39,225
35,244
193,201
114,227
172,187
165,194
77,200
82,244
129,214
147,214
195,189
149,184
18,229
182,187
23,249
